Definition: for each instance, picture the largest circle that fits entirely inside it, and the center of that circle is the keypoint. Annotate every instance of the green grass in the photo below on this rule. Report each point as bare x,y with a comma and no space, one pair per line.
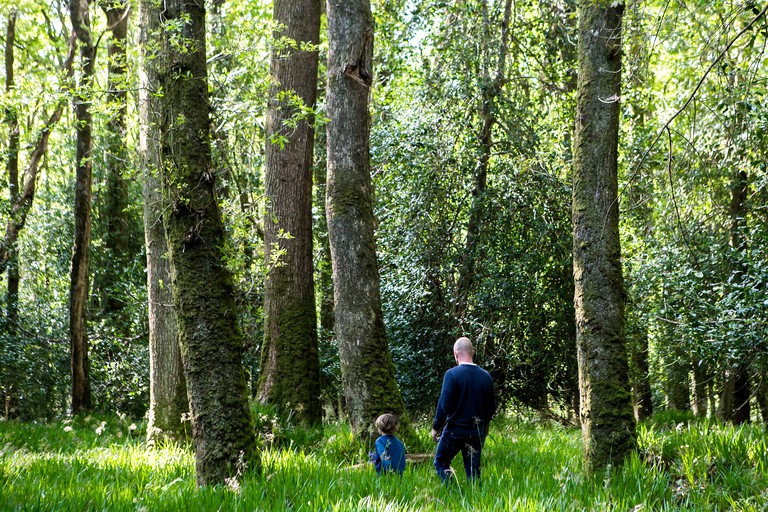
102,463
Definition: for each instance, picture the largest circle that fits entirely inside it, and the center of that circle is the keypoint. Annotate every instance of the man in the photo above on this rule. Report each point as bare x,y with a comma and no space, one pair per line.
467,404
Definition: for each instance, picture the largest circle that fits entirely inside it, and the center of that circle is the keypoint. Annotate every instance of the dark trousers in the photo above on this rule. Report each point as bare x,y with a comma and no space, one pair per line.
451,443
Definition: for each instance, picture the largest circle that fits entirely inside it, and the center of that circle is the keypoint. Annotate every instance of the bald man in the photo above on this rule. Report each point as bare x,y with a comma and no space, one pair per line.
467,404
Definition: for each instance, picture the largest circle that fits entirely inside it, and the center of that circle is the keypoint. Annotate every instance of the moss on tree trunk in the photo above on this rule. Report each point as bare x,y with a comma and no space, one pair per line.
168,399
290,366
607,418
203,294
367,370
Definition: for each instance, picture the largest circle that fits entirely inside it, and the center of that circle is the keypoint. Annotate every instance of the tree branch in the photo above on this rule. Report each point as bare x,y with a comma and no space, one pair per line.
23,203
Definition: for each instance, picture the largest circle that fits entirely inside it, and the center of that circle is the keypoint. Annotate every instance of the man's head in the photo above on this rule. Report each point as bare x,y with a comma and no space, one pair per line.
387,423
463,351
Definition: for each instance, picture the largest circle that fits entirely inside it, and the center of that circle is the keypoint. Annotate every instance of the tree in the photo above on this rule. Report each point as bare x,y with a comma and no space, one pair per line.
290,368
367,371
607,418
209,337
168,400
25,385
121,243
12,167
79,279
492,83
735,395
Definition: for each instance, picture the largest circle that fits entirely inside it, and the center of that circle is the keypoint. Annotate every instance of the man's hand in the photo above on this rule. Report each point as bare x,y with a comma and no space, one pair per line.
435,435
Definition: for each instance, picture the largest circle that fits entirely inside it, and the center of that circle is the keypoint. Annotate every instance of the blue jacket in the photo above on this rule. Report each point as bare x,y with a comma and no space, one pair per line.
390,455
467,401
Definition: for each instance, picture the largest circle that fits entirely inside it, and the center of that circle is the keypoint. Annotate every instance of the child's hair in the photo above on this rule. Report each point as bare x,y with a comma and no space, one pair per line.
387,423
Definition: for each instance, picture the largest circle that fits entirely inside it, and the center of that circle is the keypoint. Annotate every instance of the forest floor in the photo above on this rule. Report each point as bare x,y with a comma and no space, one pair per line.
101,463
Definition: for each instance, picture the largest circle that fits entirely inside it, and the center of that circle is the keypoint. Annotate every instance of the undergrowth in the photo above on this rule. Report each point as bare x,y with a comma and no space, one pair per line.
102,464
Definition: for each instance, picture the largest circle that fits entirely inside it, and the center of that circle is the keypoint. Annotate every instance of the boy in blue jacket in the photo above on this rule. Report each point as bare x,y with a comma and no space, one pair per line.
390,451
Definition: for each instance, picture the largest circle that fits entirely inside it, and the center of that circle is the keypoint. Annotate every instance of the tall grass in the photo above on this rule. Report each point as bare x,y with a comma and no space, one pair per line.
102,464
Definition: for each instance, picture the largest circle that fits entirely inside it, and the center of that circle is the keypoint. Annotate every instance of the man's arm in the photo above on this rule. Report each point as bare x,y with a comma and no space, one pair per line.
489,400
441,414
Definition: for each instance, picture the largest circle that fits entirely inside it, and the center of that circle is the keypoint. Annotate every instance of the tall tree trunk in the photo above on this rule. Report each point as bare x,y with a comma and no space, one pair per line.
324,265
678,385
726,404
368,374
761,388
120,243
12,167
640,383
290,365
607,419
737,213
168,400
735,394
330,382
203,292
78,300
701,378
491,86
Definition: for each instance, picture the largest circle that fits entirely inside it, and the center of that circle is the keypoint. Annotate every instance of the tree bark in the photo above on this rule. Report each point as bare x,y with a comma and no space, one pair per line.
12,168
79,279
761,394
735,394
290,367
368,374
168,400
725,406
324,266
607,419
203,292
641,383
737,213
330,381
701,378
678,386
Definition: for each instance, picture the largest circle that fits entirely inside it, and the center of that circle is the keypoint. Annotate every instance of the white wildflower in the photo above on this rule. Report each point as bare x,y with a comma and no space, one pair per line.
233,484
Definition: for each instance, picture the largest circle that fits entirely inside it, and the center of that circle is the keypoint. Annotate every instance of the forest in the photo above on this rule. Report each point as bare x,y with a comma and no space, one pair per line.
238,231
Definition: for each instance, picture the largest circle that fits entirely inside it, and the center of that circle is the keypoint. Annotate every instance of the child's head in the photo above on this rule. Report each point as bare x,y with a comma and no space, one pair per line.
387,423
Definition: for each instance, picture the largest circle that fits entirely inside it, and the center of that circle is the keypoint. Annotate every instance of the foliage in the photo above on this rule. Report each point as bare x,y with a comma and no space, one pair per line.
239,42
100,463
437,65
694,264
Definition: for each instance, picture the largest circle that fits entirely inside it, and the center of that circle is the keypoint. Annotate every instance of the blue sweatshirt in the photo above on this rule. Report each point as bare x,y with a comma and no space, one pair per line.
467,401
390,455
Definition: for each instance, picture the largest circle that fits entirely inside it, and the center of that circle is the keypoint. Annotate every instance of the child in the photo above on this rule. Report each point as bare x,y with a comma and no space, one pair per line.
390,452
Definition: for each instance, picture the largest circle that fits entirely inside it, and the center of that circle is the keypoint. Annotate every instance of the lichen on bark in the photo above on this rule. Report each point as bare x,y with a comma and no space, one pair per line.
607,418
203,293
